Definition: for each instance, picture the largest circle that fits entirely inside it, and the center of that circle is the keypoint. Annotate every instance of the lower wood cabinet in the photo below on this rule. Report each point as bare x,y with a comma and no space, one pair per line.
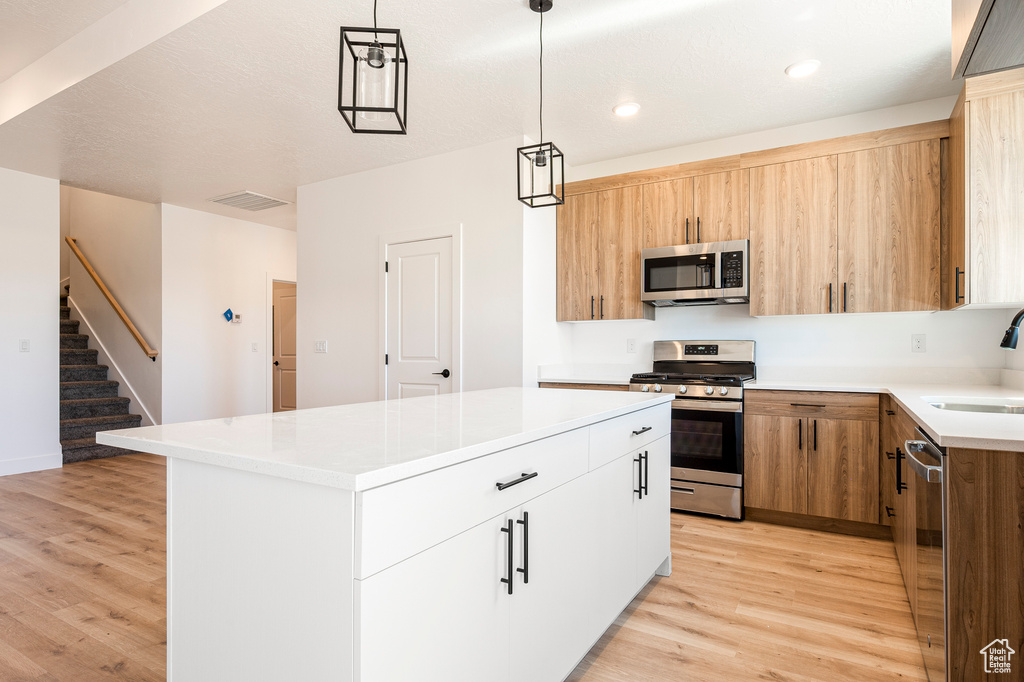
812,453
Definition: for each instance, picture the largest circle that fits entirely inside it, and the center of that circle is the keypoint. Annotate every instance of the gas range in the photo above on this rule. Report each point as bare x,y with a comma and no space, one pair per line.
708,370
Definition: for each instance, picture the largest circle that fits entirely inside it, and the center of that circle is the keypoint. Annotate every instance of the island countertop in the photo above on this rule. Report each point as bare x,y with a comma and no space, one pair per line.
365,445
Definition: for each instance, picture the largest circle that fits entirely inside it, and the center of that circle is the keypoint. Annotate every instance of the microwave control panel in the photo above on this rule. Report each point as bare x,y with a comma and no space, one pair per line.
732,269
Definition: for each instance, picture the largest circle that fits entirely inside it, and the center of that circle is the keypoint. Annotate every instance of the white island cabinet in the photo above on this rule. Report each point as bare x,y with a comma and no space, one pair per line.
491,535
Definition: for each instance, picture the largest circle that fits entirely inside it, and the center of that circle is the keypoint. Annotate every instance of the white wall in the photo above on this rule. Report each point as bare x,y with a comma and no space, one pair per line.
29,273
544,341
340,222
121,239
65,231
212,263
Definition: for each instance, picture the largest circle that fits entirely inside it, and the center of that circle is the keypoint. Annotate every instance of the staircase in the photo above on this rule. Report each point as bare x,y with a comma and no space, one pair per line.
88,401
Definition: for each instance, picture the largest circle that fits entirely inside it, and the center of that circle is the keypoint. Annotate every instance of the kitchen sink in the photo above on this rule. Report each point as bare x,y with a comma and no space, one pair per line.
971,404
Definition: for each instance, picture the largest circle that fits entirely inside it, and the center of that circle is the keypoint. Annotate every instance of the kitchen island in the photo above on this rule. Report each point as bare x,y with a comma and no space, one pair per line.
490,535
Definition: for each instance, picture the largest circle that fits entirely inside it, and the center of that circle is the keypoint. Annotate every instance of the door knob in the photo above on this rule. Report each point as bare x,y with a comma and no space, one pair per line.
445,373
276,363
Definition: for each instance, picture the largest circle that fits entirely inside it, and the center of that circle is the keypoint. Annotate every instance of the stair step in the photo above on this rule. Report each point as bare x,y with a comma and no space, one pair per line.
69,326
78,356
74,429
76,390
93,407
63,300
83,373
83,449
65,312
74,341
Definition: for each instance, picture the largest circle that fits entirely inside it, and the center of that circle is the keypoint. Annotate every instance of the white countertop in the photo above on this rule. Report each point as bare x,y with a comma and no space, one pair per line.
949,428
366,445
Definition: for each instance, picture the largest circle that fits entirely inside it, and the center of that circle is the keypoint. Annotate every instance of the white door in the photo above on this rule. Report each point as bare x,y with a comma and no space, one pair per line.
419,318
284,346
654,516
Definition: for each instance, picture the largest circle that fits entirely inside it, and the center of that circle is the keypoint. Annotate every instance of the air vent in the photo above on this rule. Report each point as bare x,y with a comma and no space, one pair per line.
250,201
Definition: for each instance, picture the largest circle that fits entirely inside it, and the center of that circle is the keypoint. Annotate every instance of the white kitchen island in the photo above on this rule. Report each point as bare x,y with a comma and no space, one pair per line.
484,536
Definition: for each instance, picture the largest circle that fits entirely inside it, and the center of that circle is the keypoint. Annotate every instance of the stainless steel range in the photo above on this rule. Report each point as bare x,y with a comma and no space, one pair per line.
707,420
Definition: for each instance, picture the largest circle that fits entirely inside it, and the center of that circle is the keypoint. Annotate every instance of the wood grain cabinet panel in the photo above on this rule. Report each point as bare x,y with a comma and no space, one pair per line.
842,469
619,214
774,463
667,213
889,232
887,462
793,248
721,206
576,247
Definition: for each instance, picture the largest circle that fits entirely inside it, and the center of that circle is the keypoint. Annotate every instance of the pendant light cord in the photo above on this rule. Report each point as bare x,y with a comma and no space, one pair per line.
375,19
541,76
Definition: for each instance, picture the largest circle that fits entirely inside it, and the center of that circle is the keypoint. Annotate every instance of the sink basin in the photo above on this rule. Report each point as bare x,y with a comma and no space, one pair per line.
972,404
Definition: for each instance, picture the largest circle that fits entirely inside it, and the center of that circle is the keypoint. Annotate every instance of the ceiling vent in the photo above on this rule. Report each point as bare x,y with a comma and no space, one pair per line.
250,201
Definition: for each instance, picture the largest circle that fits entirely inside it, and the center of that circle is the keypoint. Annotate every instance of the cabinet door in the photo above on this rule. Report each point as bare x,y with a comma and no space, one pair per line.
614,522
577,258
721,204
619,220
887,463
842,469
668,213
775,463
889,228
905,522
793,255
955,281
555,614
654,514
445,606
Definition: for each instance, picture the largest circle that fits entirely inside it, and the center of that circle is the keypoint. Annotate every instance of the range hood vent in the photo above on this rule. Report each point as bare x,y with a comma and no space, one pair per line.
249,201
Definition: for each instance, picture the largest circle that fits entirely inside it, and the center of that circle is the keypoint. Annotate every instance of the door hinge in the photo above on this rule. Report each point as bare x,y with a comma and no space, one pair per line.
385,358
385,266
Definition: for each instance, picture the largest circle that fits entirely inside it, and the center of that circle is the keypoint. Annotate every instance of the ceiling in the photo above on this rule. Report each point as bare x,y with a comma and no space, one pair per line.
245,96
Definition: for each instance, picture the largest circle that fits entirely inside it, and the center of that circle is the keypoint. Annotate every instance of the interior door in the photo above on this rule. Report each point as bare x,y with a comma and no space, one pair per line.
419,318
284,346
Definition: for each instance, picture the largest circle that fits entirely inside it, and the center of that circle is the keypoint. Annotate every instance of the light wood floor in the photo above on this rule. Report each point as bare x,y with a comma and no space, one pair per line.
82,593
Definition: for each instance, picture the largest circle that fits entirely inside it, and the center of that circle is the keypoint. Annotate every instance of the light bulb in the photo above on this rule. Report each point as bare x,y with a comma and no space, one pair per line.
376,82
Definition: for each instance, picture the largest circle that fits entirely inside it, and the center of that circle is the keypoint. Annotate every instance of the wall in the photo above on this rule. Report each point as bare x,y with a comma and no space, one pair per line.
29,272
212,263
544,341
121,238
65,231
340,222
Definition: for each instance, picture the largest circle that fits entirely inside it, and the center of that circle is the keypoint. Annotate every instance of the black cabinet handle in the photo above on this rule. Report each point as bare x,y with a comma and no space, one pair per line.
890,455
445,373
957,292
698,229
889,512
524,477
815,435
687,230
844,297
900,485
508,580
591,307
806,405
639,489
643,430
525,570
647,471
890,413
602,307
800,434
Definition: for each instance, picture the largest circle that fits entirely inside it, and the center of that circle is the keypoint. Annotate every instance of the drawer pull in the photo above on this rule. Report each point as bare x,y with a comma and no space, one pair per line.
890,413
889,512
805,405
688,491
643,430
524,477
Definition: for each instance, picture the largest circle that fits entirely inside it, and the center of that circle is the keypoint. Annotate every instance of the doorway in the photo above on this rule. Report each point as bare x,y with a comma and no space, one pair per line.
283,348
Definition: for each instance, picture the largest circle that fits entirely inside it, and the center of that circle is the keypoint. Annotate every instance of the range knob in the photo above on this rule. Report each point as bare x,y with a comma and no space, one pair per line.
682,389
709,390
724,390
657,388
645,388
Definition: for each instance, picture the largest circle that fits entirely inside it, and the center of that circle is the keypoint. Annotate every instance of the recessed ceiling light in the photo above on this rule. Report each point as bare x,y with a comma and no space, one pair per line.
627,109
802,68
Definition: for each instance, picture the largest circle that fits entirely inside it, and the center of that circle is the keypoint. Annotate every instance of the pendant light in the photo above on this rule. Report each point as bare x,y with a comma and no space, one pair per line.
373,80
541,167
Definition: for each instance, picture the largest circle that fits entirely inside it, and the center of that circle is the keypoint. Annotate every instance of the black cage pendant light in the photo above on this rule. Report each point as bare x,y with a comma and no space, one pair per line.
541,167
373,79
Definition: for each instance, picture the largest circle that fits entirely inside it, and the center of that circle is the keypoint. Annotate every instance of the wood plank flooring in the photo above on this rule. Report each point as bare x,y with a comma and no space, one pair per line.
82,593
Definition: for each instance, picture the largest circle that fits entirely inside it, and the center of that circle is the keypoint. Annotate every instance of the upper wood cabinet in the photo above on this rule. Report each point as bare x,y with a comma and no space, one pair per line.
598,252
793,250
986,36
986,202
706,208
667,213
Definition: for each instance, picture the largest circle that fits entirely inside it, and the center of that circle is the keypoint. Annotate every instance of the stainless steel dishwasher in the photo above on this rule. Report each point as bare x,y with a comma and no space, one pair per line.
928,461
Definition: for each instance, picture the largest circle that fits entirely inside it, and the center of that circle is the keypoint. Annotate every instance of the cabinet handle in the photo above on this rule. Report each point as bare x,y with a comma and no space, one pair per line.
957,292
647,472
643,430
511,572
687,230
639,490
890,455
602,307
890,413
805,405
889,512
815,435
591,307
698,229
800,434
523,477
900,485
844,297
525,570
687,491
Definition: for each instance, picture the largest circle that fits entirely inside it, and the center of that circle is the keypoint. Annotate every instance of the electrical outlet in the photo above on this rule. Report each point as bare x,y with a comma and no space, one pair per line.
319,346
918,343
24,346
630,345
255,347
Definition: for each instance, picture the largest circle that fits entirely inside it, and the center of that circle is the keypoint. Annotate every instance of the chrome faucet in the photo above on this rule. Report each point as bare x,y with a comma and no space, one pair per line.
1010,338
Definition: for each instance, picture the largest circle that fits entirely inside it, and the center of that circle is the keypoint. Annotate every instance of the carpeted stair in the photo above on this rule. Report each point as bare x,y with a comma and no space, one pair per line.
88,401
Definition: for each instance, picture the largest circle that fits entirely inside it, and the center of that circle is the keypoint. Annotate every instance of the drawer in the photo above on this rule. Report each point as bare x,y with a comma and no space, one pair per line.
613,438
406,517
820,404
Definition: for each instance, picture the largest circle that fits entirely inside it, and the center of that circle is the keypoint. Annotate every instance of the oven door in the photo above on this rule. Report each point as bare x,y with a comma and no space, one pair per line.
707,441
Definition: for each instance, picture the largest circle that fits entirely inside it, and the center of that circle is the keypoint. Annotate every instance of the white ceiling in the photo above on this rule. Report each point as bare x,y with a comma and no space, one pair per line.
245,96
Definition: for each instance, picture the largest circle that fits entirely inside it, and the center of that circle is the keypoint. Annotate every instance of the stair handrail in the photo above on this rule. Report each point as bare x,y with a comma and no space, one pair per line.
150,352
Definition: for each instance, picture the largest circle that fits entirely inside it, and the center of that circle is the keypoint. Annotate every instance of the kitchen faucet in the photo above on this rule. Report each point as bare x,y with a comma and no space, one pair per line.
1010,338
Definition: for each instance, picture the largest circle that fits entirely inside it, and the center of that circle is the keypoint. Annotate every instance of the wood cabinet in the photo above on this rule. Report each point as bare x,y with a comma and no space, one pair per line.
986,145
812,453
705,208
986,36
886,460
667,213
598,255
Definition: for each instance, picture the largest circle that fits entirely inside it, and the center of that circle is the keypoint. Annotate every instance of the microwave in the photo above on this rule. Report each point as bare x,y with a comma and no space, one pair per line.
696,274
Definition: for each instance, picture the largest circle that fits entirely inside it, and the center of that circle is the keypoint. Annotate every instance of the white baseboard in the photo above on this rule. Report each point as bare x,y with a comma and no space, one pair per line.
28,464
114,373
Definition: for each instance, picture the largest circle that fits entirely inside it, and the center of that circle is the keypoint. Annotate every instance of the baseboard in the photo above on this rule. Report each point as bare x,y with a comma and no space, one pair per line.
858,528
114,373
29,464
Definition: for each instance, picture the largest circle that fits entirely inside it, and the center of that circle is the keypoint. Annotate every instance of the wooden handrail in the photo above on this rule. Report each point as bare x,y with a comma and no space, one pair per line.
151,353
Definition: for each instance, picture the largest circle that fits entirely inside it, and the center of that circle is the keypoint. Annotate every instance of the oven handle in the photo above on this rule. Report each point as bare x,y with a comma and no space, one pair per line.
708,405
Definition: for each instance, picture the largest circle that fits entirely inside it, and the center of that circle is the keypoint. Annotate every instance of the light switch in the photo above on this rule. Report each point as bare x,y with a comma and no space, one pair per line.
319,346
255,347
24,346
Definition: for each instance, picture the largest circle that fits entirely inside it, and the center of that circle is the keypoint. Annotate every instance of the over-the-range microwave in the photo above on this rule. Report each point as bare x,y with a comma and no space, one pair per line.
696,274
